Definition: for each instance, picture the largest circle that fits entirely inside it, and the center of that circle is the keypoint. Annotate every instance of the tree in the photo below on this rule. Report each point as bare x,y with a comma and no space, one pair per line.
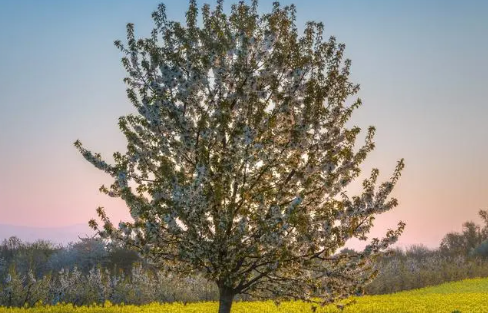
239,156
84,255
455,243
466,243
484,230
418,252
27,257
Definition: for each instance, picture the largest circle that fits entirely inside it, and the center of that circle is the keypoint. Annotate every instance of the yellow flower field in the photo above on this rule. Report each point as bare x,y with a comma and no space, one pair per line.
464,296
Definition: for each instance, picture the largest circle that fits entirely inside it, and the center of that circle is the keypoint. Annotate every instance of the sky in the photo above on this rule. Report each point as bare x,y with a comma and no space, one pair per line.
422,66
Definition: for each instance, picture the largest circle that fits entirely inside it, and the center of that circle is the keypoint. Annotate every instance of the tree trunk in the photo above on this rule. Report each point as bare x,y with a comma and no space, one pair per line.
226,296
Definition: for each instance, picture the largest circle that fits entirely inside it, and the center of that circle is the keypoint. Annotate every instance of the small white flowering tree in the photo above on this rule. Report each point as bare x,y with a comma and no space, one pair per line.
241,155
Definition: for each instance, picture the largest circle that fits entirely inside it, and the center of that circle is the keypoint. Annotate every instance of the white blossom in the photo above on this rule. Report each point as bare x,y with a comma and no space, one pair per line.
241,145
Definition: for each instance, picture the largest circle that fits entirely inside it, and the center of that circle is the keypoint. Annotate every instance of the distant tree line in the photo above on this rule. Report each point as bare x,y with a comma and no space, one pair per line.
88,271
472,241
460,255
42,257
91,270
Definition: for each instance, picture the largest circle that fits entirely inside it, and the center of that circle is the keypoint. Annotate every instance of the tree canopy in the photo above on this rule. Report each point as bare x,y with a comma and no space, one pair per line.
473,240
238,158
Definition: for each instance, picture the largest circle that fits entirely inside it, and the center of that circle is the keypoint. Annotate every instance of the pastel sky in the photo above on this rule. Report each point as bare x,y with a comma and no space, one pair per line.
422,66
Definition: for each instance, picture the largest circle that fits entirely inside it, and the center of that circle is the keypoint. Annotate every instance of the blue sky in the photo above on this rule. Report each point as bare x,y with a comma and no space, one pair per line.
422,66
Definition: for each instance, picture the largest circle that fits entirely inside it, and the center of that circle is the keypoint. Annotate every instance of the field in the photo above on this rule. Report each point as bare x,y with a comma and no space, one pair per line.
464,296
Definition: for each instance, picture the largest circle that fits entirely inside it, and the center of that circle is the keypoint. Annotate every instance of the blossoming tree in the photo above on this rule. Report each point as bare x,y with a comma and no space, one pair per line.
239,156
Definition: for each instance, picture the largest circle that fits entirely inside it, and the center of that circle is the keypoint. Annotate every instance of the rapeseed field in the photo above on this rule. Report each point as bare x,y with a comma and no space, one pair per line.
467,296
